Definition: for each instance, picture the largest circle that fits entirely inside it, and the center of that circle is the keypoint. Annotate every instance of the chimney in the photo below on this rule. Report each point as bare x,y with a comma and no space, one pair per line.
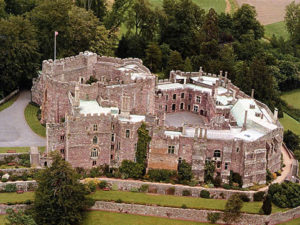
252,93
216,92
77,96
125,107
201,135
275,114
234,94
221,73
245,121
205,133
200,71
183,129
196,132
226,74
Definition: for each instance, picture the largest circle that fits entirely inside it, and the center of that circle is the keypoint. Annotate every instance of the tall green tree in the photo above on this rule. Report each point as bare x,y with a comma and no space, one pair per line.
19,57
233,209
292,20
153,57
244,21
187,67
19,7
99,7
210,26
291,140
2,9
60,198
175,61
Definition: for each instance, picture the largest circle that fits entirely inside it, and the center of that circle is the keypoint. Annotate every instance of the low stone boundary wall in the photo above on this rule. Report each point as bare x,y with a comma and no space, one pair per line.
127,185
3,208
19,171
194,214
16,159
9,96
21,185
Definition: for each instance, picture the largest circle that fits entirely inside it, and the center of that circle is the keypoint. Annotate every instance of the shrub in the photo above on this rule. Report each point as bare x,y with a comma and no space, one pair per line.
285,195
204,194
186,192
222,195
4,180
144,188
10,188
92,186
91,80
102,184
28,202
258,196
235,178
244,198
217,181
213,217
185,173
13,177
183,206
95,172
226,186
171,191
267,205
119,200
31,187
161,175
24,160
134,189
131,169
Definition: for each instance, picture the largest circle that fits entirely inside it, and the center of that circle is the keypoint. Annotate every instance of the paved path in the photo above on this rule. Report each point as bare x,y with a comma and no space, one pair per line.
14,131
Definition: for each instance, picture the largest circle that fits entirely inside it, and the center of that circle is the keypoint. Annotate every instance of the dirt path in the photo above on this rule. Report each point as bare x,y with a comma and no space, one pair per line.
228,7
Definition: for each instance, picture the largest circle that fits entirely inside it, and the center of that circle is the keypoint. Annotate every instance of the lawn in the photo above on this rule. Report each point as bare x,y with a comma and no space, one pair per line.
9,102
292,98
290,124
14,197
111,218
174,201
292,222
32,120
278,29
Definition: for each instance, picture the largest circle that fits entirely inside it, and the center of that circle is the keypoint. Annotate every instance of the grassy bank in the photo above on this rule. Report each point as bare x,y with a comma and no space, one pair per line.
278,29
292,98
174,201
32,120
9,102
14,197
290,124
20,149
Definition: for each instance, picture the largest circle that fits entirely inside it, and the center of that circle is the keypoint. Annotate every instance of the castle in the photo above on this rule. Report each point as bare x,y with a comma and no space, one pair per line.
194,116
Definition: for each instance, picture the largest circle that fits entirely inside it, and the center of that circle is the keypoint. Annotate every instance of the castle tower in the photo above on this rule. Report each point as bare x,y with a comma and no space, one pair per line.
125,106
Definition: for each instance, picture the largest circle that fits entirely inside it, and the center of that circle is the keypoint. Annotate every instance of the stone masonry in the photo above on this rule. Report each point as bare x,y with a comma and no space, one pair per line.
196,117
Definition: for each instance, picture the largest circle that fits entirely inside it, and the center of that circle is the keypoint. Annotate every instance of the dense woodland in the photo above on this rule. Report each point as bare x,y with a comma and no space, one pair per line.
179,35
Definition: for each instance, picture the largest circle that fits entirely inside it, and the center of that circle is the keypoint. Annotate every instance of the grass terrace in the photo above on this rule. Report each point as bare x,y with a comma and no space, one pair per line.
290,123
14,197
9,102
32,120
20,149
175,201
292,98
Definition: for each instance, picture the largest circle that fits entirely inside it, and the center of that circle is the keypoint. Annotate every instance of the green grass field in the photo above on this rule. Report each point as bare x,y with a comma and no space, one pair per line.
20,149
292,98
32,120
174,201
292,222
278,29
8,103
218,5
14,197
290,124
110,218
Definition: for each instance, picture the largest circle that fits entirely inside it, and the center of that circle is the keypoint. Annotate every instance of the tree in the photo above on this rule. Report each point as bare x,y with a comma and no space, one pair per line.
291,140
187,67
233,209
19,57
267,205
153,57
210,26
19,7
18,218
142,144
131,169
184,172
60,198
2,9
209,170
175,62
99,7
292,20
244,21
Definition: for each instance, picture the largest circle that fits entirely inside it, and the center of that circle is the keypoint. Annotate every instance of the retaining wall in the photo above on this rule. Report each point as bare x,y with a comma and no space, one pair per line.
19,171
21,185
127,185
9,96
3,208
194,214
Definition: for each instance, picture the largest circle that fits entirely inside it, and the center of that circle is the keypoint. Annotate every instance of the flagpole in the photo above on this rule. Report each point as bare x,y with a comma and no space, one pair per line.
54,45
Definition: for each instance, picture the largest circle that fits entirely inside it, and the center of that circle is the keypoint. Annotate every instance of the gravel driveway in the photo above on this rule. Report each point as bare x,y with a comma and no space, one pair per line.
14,131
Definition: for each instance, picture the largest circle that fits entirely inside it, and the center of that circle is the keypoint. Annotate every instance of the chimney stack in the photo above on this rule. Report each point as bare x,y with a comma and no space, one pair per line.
252,93
245,121
275,114
77,96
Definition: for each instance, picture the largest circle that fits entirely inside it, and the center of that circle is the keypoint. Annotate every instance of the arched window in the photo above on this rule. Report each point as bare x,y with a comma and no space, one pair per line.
94,153
95,140
217,153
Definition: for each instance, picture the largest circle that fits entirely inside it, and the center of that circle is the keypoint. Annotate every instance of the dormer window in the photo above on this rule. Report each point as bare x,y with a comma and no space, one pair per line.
252,106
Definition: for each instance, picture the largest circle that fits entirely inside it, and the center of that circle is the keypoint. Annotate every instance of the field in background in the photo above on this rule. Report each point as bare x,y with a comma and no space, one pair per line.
292,98
290,124
278,29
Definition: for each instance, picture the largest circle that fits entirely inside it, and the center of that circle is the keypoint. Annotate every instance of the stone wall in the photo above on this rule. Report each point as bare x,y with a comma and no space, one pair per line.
21,185
194,214
127,185
3,208
9,96
19,171
15,155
